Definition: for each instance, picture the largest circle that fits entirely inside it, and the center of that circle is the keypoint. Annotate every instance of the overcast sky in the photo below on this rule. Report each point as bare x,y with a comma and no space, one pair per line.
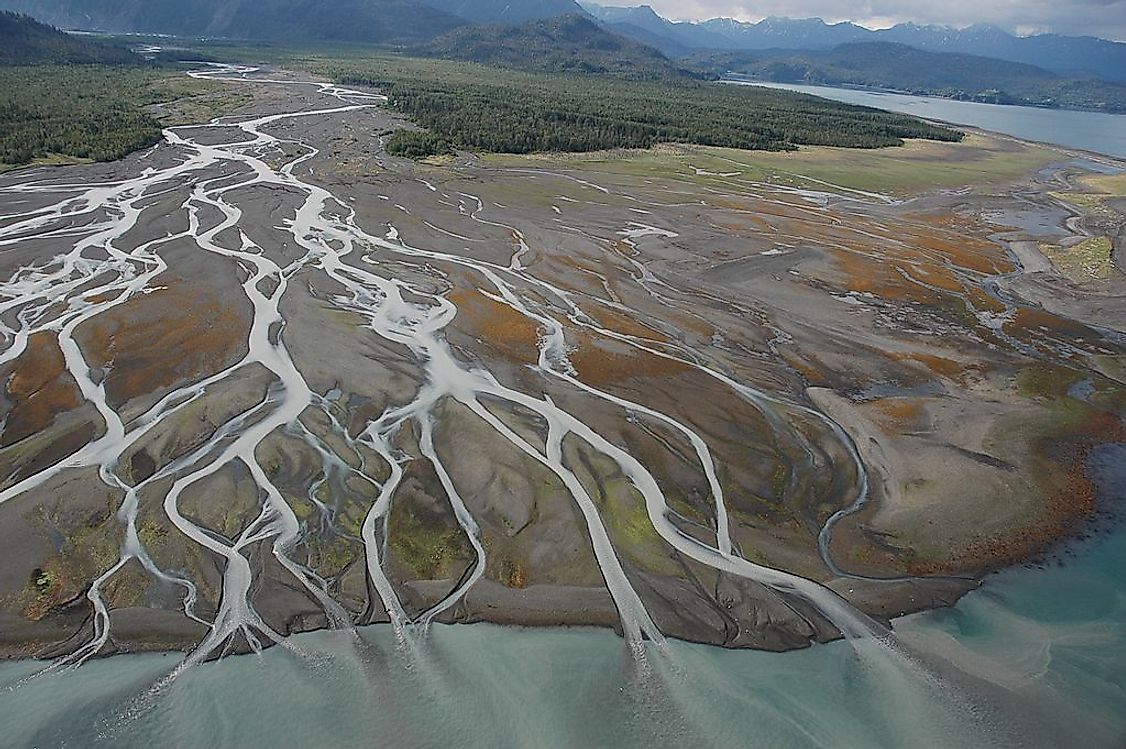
1104,18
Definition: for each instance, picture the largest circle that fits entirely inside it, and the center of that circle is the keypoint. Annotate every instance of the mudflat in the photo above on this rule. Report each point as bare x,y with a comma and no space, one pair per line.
265,378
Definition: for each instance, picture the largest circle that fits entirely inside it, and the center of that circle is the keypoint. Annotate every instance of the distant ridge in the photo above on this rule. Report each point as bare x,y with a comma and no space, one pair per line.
25,41
1066,55
374,21
505,11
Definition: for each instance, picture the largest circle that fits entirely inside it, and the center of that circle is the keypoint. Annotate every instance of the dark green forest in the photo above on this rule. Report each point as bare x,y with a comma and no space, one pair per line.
71,96
489,109
85,112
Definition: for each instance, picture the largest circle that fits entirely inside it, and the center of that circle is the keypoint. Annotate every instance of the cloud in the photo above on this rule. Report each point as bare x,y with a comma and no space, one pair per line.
1103,18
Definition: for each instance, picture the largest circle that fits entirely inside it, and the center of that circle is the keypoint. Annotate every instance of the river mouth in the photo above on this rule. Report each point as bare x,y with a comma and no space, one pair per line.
1021,650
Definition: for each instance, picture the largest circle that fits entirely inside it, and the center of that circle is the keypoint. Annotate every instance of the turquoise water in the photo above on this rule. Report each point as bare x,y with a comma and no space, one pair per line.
1037,657
1091,131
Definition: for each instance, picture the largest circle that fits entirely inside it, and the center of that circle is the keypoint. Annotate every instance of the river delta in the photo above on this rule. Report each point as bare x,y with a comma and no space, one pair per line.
264,379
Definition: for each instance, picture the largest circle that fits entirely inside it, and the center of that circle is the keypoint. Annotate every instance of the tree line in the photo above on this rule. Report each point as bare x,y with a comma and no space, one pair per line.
482,108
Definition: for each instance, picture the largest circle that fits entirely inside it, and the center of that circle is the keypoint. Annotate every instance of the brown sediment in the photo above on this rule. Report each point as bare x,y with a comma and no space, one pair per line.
103,297
156,340
1071,498
39,389
903,253
624,325
506,330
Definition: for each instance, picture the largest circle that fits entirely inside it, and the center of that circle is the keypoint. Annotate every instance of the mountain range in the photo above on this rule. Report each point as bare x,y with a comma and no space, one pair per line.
414,22
375,21
1065,55
505,11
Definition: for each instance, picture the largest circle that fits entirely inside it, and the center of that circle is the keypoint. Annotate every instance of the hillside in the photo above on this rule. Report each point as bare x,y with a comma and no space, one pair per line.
373,21
565,44
505,11
25,41
902,68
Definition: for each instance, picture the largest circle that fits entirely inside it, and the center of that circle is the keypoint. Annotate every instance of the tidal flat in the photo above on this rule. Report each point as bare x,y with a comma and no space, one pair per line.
265,379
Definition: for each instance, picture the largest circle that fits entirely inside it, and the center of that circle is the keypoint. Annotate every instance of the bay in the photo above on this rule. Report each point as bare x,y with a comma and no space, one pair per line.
1090,131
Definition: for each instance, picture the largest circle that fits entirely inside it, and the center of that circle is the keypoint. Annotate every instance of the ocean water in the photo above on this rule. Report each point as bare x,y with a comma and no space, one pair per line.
1090,131
1037,657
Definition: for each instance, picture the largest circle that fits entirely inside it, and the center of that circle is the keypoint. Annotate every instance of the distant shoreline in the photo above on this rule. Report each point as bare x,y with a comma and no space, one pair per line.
732,77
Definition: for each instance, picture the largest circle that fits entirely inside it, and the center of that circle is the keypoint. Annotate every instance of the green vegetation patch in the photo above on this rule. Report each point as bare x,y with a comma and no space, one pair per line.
1108,184
1090,260
1046,381
918,165
425,544
414,144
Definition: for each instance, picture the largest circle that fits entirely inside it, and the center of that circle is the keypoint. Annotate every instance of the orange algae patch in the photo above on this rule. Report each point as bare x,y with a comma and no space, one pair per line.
39,389
685,321
930,248
813,375
598,365
1031,319
497,324
877,275
153,341
624,325
939,365
958,239
900,414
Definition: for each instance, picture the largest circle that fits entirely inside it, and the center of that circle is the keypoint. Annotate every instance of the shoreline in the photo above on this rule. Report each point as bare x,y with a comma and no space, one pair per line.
748,80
